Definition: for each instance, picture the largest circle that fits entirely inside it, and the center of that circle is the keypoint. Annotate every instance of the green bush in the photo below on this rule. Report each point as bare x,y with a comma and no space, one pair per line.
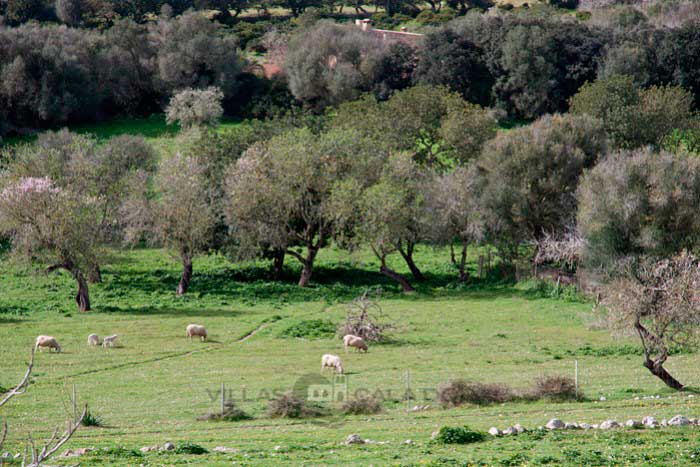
190,448
310,329
459,435
92,419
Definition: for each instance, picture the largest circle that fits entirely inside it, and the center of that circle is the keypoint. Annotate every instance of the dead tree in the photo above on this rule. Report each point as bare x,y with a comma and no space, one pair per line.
659,300
35,455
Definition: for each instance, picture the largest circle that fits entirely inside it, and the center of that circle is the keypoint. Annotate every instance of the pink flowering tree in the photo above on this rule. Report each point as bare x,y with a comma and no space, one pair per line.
52,226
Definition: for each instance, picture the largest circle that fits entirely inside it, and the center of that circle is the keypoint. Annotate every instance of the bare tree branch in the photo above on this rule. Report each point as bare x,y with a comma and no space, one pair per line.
22,386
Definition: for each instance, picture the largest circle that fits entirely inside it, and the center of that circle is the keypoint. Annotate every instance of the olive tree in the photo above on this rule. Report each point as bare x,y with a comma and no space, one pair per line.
53,225
634,117
532,174
192,52
195,107
279,193
659,300
328,63
638,203
181,215
455,211
389,211
99,172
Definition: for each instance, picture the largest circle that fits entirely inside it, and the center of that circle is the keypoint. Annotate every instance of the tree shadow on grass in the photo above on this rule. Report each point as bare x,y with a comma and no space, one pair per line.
158,310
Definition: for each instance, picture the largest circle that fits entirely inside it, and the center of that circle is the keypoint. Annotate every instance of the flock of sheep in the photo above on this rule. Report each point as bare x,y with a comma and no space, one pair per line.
196,330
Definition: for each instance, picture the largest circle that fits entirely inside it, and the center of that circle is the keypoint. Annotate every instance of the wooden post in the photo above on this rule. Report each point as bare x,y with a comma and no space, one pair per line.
481,266
408,391
576,378
488,264
75,406
223,399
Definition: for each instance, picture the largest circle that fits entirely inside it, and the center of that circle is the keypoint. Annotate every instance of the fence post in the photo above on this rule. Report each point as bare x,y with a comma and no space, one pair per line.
408,391
576,377
223,399
75,406
481,266
488,263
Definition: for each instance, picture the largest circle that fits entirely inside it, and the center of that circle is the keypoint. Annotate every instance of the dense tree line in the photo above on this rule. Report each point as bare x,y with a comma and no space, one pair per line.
54,75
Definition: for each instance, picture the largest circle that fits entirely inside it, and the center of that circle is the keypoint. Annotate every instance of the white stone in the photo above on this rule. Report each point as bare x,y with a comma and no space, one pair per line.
602,398
664,422
408,441
646,421
633,424
354,439
608,424
571,426
585,426
168,447
594,426
495,431
148,448
679,420
519,428
511,430
5,455
555,424
224,449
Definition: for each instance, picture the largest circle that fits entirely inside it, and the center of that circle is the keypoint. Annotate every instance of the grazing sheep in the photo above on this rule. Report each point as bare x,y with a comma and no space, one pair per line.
194,330
93,340
109,341
332,361
47,341
354,341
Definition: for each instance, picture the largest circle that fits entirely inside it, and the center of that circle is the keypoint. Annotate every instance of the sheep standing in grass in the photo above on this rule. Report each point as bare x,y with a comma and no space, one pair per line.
354,341
93,340
332,361
195,330
109,341
47,341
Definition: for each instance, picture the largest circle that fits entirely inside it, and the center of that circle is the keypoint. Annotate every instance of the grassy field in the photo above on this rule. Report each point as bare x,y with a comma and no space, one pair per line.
162,136
152,388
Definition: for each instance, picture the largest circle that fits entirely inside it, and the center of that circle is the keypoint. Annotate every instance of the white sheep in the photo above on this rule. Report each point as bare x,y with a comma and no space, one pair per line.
354,341
93,340
47,341
109,341
332,361
194,330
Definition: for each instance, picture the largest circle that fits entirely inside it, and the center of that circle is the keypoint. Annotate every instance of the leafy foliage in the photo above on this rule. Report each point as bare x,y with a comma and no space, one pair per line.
459,435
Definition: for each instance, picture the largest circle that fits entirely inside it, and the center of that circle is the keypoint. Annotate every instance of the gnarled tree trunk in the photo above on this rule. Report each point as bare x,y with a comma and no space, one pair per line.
407,255
308,266
463,274
277,264
660,372
186,277
390,273
95,275
82,298
656,366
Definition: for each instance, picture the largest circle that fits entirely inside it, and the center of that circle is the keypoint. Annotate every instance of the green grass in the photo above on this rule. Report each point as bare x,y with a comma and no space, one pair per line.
151,389
162,136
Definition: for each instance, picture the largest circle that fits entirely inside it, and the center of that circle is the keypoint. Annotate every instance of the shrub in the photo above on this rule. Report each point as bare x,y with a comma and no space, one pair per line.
363,405
231,413
92,419
459,435
310,329
569,4
290,406
458,392
190,448
557,388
